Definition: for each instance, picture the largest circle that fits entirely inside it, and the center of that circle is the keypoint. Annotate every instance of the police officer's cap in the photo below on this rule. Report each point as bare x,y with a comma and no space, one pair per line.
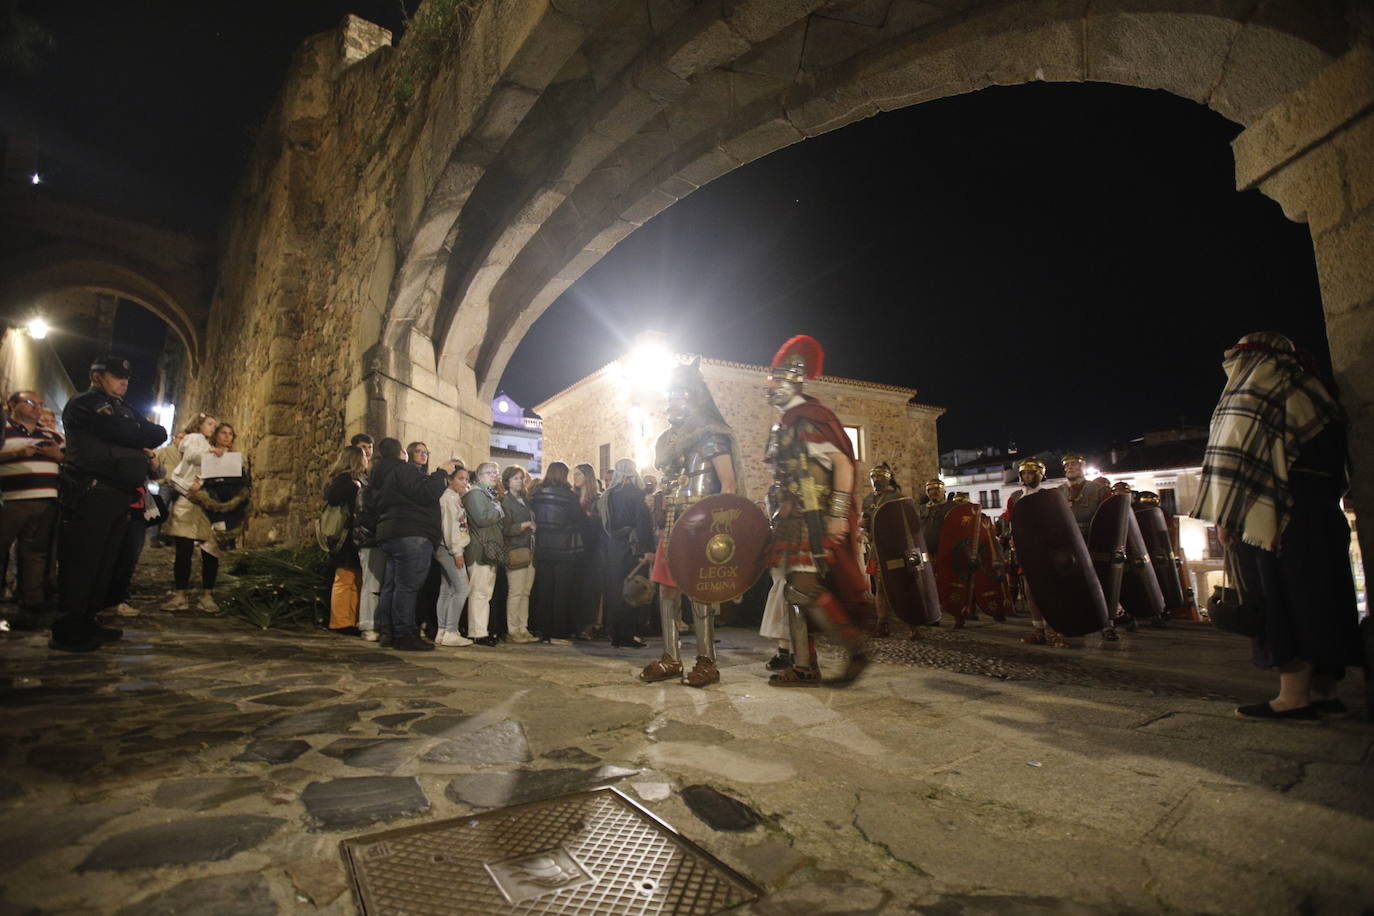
115,365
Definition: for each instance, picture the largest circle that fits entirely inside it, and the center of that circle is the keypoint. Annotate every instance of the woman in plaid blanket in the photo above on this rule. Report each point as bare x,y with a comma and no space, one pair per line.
1272,480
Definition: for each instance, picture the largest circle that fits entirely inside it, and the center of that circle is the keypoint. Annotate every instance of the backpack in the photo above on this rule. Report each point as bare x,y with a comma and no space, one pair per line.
331,528
365,517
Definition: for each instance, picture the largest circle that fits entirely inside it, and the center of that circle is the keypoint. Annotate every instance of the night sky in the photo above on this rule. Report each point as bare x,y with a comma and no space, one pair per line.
1057,264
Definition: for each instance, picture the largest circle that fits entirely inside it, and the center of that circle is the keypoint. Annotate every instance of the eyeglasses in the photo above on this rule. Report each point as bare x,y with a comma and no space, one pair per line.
31,403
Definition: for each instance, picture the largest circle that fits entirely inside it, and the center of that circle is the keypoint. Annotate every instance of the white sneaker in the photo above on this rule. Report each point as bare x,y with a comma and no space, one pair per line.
522,635
123,609
207,602
178,601
452,638
370,635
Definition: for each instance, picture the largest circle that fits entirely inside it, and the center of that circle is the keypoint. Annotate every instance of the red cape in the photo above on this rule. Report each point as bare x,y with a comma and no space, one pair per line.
846,577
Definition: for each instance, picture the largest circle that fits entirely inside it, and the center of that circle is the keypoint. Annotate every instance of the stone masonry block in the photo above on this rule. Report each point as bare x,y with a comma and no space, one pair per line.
1311,189
707,167
1356,144
1264,66
823,112
272,496
1345,266
1331,100
622,111
1176,51
759,20
282,349
282,419
700,42
1351,338
779,57
277,455
767,137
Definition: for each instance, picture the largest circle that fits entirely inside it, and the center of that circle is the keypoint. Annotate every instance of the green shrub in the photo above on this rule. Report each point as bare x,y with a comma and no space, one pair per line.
279,587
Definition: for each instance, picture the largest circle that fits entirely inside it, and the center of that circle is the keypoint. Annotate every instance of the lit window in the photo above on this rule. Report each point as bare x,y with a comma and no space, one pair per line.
856,438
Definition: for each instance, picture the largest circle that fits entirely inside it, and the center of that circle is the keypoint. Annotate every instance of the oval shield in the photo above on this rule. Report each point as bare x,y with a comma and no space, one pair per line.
716,548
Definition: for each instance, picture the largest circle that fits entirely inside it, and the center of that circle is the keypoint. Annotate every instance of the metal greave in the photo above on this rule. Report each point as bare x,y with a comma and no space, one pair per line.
802,656
667,618
704,626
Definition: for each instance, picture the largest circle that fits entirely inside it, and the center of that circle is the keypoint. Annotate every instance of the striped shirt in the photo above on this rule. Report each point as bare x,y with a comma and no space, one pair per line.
34,477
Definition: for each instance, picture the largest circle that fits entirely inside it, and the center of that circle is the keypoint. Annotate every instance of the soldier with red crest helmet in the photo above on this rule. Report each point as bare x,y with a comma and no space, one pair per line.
815,519
698,458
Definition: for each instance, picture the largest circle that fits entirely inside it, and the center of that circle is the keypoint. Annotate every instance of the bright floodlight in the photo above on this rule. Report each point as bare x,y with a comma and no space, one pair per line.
36,178
1091,473
648,363
1193,541
38,328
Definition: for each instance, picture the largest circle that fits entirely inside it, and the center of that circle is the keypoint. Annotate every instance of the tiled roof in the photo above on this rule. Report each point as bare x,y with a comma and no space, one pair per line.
1178,454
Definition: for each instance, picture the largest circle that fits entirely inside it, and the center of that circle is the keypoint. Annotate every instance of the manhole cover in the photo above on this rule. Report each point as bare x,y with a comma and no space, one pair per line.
590,852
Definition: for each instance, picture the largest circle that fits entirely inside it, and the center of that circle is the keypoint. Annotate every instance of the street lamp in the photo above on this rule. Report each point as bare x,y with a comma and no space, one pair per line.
38,328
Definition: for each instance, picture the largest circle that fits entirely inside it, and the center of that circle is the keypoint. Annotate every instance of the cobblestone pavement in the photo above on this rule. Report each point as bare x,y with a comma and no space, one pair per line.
202,766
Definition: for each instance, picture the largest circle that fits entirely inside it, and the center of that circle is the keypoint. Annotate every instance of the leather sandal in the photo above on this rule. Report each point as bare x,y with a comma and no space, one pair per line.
796,677
661,669
1036,637
1058,641
703,673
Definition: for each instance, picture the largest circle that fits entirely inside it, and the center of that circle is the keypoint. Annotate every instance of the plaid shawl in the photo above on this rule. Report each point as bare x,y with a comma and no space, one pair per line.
1270,406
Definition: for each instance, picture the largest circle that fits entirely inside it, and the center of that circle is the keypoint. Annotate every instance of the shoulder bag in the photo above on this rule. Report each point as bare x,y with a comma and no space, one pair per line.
1233,608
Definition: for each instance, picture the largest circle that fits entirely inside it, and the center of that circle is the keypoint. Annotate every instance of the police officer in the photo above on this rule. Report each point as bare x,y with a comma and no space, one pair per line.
108,449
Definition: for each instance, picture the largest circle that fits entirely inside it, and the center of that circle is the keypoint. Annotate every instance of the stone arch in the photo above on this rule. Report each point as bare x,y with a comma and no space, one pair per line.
62,267
650,107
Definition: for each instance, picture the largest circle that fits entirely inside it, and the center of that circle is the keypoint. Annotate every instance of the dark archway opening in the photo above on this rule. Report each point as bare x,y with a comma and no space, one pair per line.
1061,264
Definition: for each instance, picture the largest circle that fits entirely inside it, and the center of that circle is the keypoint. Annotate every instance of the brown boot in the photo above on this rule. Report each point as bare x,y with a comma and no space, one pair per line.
662,669
703,673
1036,637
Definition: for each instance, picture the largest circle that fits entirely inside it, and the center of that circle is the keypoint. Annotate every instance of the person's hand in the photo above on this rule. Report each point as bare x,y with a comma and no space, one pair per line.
837,529
49,450
194,487
218,450
648,557
450,466
150,453
458,560
1225,536
527,526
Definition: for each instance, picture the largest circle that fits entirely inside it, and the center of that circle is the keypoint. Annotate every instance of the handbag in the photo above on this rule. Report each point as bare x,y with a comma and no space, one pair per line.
638,590
519,557
1233,609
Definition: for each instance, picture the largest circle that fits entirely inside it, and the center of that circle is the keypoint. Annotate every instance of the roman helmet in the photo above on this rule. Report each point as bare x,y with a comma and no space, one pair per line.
797,362
1033,468
1121,487
938,485
881,476
1147,498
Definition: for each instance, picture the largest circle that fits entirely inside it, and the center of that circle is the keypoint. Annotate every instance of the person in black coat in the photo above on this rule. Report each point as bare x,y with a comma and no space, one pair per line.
346,478
409,526
558,518
629,540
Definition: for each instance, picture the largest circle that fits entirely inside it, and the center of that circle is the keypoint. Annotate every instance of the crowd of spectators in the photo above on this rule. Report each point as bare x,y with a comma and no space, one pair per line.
472,556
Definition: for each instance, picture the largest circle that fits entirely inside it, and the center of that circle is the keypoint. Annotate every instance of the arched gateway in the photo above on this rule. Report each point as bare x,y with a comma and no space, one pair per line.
412,211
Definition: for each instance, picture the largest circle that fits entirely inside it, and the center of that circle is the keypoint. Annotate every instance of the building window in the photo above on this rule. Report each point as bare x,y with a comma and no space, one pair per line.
856,439
996,499
1168,501
605,457
982,497
1213,543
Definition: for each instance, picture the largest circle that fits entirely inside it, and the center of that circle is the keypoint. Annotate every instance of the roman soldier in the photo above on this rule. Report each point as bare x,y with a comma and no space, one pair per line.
933,512
698,458
815,519
885,489
1084,495
1031,472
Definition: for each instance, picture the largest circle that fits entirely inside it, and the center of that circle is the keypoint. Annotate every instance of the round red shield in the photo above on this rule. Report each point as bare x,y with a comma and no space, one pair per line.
716,549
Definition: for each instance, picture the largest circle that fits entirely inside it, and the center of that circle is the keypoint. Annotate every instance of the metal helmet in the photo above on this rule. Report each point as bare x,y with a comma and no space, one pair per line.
1032,464
1147,498
1121,486
798,361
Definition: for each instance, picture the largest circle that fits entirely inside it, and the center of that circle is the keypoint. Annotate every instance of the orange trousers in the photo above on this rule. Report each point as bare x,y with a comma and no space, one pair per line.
343,598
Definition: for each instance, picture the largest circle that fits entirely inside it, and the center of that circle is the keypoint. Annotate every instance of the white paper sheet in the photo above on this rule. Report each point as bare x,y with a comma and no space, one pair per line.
230,465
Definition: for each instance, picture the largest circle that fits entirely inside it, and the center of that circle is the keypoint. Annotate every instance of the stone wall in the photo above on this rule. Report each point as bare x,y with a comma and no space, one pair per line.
308,257
1314,154
606,408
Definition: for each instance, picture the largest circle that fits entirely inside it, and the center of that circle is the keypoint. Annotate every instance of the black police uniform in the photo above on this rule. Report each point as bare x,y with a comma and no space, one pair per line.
103,469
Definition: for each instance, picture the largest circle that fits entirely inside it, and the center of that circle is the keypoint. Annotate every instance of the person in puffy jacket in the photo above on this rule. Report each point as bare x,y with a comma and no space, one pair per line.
409,527
558,519
518,528
454,587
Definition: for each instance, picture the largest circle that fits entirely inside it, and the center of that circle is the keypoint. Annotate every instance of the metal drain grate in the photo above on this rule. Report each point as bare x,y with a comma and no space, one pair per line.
594,852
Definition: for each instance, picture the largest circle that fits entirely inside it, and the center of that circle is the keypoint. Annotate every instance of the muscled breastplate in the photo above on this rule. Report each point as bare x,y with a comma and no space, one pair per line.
699,477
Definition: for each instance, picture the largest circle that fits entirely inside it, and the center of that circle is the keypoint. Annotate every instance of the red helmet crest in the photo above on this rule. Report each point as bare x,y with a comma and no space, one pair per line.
801,355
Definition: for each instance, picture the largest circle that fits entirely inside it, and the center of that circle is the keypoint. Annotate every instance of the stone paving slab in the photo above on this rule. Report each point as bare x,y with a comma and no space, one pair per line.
912,790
